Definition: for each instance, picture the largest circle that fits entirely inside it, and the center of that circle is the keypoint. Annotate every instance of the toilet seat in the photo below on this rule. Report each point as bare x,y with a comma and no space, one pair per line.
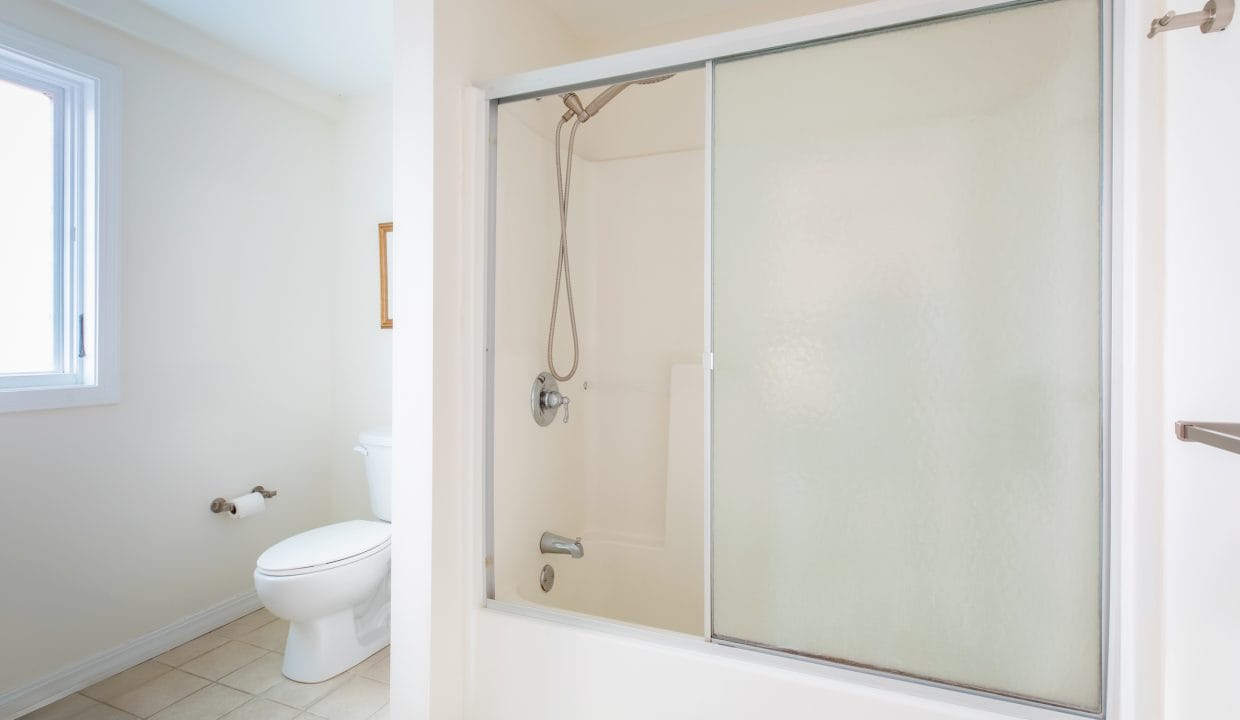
325,548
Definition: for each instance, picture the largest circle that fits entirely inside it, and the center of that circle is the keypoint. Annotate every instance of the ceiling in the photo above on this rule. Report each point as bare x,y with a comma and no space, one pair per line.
344,48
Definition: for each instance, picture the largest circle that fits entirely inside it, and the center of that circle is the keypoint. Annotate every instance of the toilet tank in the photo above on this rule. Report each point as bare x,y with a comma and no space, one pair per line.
376,449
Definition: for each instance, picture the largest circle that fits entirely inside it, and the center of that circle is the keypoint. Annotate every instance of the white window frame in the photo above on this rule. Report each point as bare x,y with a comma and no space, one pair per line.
86,99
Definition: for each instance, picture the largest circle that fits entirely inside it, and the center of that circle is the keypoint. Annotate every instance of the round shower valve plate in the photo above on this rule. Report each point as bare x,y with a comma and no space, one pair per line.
543,384
546,578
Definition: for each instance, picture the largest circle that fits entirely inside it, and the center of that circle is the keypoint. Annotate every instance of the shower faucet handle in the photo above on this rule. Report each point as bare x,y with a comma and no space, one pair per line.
546,399
554,399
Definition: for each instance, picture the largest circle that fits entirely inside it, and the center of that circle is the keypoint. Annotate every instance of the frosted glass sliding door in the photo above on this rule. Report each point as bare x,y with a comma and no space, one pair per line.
908,433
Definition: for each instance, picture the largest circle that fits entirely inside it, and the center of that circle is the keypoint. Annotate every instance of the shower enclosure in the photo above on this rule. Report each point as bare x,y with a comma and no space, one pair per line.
842,317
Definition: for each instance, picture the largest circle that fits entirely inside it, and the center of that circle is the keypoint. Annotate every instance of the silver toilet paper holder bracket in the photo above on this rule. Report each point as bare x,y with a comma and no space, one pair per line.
220,505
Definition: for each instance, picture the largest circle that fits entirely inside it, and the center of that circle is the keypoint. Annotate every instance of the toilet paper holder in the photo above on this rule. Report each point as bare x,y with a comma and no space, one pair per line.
220,505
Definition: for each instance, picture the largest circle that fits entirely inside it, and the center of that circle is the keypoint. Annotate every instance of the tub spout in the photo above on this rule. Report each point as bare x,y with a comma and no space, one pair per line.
553,544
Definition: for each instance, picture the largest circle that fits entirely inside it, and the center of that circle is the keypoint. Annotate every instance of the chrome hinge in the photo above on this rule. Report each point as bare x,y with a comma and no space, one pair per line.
708,360
81,335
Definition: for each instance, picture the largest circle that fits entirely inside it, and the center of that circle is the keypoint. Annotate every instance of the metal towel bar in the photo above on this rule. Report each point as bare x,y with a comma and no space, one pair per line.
1224,436
1214,17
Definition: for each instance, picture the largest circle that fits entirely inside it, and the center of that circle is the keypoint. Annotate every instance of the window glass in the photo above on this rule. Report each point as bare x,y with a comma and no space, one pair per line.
28,244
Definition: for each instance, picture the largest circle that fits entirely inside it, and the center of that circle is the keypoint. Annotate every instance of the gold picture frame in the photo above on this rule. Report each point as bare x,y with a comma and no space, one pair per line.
385,306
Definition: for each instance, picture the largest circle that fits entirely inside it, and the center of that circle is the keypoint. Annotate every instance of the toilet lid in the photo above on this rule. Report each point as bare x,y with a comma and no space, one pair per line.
324,546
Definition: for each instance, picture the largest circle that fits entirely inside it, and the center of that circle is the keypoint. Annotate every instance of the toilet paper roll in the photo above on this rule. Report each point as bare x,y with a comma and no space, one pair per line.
247,505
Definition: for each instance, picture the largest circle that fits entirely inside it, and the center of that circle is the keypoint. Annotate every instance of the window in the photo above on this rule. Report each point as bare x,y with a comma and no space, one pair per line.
58,220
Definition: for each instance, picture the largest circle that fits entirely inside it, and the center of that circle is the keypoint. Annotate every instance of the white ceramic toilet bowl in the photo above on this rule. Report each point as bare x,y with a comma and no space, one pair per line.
333,586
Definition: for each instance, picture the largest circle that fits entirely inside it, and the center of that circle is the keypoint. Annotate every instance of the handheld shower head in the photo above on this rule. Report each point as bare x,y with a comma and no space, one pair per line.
563,181
583,114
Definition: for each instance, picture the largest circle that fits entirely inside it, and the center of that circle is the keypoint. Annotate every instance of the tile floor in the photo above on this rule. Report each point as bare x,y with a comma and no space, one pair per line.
232,673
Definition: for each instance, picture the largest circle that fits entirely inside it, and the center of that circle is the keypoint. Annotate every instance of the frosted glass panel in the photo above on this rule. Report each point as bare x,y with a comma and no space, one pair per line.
906,405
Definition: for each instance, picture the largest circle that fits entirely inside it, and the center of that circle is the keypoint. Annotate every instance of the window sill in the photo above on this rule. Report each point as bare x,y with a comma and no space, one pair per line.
55,398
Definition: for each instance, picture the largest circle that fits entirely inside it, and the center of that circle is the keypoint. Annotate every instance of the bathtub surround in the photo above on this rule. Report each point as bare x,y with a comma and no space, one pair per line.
244,247
625,472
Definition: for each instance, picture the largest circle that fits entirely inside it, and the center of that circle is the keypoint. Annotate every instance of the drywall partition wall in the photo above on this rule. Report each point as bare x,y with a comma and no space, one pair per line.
226,368
1202,373
442,49
362,351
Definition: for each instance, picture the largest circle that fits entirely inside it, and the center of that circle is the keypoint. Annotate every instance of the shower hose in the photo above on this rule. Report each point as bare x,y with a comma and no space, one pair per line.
563,180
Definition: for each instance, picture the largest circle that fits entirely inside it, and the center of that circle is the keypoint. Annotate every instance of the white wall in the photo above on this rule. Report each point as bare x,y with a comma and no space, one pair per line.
362,351
1202,356
226,368
250,349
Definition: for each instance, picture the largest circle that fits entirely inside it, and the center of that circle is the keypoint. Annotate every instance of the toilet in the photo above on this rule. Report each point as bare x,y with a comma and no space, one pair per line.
333,583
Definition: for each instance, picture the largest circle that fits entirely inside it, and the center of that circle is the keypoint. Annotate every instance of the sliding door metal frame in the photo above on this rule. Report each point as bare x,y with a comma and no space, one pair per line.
708,359
701,54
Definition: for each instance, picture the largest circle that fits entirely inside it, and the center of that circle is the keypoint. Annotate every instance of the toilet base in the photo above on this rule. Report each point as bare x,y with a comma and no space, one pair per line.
321,649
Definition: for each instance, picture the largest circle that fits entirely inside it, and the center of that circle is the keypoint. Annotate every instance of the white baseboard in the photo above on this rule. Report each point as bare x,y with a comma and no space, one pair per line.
66,681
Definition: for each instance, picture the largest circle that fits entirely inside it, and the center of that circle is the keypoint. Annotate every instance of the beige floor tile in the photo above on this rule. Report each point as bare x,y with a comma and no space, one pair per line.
381,670
271,636
357,699
261,709
247,624
223,660
302,695
257,677
146,700
371,661
122,683
385,713
62,709
308,716
182,654
103,712
209,703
